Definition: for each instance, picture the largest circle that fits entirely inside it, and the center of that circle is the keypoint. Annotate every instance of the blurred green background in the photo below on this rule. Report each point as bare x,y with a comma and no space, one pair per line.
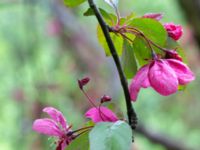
45,47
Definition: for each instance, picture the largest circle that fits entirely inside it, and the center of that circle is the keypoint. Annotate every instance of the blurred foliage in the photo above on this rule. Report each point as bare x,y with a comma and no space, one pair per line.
40,65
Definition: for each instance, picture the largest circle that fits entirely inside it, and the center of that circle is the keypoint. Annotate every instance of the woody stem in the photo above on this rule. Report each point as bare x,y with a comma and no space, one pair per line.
132,117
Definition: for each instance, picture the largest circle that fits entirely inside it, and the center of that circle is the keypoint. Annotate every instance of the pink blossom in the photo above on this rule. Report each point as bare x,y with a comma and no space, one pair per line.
163,75
56,126
101,114
156,16
174,31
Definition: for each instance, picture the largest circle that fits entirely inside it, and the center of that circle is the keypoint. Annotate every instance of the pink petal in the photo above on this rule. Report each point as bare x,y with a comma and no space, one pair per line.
140,80
101,114
162,78
183,72
46,126
56,115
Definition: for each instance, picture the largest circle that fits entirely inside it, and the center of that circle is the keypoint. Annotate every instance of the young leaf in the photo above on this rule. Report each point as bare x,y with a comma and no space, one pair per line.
152,29
117,40
111,136
110,18
73,3
80,143
112,3
128,60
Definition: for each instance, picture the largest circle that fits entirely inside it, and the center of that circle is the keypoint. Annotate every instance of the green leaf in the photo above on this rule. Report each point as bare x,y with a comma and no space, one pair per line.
73,3
111,136
141,50
117,40
112,3
110,18
152,29
129,63
80,143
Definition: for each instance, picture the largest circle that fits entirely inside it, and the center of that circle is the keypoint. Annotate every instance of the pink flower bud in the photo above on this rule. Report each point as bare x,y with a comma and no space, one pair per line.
105,98
83,82
174,31
156,16
173,55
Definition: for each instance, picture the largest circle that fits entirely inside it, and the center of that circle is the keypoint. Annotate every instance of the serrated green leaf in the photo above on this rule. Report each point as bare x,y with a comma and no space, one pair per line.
117,40
112,3
152,29
73,3
129,63
111,136
80,143
110,18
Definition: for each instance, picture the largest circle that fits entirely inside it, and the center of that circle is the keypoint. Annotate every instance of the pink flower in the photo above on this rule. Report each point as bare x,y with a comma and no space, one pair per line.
101,114
163,75
56,126
174,31
156,16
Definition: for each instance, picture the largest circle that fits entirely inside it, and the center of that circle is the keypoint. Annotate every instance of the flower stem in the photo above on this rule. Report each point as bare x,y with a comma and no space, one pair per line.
132,117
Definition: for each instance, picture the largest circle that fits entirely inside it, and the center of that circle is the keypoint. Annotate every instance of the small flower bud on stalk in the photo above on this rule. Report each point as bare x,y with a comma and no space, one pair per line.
83,82
105,98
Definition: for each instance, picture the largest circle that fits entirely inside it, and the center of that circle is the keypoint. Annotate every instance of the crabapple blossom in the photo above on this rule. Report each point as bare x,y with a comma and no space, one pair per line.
56,126
163,75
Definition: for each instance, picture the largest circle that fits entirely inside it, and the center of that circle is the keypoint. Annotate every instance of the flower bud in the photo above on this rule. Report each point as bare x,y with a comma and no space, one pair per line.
83,82
156,16
174,31
105,98
172,54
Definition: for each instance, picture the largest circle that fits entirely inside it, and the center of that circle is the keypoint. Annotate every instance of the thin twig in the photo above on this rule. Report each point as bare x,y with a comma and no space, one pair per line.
130,110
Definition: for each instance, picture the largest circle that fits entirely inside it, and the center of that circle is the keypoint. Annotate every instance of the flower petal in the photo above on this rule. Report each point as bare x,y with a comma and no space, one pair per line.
183,72
101,114
162,78
56,115
140,80
46,126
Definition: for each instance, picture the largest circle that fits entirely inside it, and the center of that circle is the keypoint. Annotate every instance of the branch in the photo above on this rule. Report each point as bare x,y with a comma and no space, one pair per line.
155,137
132,117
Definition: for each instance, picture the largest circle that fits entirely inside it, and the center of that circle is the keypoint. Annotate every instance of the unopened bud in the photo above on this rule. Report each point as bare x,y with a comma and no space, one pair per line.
172,54
83,82
156,16
105,98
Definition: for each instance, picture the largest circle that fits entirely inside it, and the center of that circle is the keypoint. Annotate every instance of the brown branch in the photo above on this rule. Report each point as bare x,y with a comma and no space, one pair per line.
130,110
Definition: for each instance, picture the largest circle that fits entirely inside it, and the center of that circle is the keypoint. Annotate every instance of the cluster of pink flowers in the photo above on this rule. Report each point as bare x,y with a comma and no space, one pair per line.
58,127
166,74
